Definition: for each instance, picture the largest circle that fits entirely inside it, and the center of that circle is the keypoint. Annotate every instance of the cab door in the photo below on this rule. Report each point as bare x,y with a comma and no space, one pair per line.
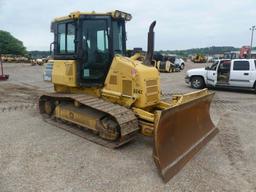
211,75
241,74
96,58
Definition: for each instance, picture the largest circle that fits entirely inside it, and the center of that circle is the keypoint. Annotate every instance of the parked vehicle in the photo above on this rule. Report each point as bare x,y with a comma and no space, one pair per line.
237,73
232,55
180,62
199,58
166,65
169,63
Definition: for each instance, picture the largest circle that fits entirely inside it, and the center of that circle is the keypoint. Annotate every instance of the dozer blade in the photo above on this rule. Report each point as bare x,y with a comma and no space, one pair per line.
181,131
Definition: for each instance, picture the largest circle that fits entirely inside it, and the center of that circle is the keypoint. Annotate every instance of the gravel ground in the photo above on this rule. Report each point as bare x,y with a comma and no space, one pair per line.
36,156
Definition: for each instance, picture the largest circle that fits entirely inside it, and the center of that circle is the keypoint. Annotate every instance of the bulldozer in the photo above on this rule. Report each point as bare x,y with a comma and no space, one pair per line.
108,98
199,58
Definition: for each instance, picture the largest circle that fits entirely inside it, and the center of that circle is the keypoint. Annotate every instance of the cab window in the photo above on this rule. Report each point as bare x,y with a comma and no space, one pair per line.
241,66
102,40
119,37
61,38
66,38
70,38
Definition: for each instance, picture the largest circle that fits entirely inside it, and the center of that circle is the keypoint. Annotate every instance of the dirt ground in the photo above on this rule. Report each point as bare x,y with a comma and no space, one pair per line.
36,156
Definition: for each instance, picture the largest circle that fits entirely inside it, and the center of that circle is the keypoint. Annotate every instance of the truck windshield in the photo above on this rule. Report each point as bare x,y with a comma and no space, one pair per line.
119,37
214,65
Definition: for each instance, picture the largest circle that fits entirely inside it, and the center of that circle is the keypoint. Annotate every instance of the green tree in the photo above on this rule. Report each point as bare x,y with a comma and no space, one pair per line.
11,45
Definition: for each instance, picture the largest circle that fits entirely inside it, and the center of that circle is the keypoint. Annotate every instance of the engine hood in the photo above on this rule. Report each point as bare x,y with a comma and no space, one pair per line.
197,71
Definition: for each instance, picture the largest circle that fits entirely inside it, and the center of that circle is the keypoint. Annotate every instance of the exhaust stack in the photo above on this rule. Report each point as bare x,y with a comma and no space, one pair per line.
151,42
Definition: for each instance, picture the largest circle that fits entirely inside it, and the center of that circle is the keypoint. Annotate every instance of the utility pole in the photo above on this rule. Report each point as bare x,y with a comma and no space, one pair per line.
252,29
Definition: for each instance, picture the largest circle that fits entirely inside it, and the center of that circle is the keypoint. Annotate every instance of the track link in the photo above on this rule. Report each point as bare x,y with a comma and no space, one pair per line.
125,117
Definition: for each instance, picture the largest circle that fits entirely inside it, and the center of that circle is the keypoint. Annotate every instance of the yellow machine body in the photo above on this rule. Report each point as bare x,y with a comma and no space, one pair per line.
128,83
64,73
88,118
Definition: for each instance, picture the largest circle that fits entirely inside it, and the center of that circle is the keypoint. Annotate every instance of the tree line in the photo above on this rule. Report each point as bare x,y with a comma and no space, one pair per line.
205,51
11,45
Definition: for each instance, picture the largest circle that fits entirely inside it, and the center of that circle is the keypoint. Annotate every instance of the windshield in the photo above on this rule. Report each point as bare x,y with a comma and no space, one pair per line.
214,65
119,37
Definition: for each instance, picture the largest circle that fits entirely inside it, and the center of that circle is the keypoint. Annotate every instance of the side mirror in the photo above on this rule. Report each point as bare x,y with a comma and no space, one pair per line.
207,68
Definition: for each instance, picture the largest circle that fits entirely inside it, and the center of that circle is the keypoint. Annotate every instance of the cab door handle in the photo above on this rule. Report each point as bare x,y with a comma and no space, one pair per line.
246,73
213,73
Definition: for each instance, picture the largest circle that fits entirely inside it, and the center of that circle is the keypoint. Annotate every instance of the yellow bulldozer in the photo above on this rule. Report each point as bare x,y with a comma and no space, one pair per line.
108,98
199,58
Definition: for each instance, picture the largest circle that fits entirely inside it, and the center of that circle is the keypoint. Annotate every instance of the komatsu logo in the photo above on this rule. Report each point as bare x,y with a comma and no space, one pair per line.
137,91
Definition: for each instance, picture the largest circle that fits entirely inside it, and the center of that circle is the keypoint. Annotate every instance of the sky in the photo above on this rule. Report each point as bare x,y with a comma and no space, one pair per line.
181,24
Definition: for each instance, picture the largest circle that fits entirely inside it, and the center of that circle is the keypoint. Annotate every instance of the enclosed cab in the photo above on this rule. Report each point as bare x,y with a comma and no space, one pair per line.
87,43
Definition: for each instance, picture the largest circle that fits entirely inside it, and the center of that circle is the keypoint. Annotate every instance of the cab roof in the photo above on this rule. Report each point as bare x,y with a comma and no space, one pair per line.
114,14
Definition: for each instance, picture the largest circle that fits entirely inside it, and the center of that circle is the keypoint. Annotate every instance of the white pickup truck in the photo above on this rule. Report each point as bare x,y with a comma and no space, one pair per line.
237,73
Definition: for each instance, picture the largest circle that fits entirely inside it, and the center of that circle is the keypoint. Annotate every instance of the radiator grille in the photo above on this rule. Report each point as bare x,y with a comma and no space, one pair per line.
152,89
151,82
127,87
113,79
